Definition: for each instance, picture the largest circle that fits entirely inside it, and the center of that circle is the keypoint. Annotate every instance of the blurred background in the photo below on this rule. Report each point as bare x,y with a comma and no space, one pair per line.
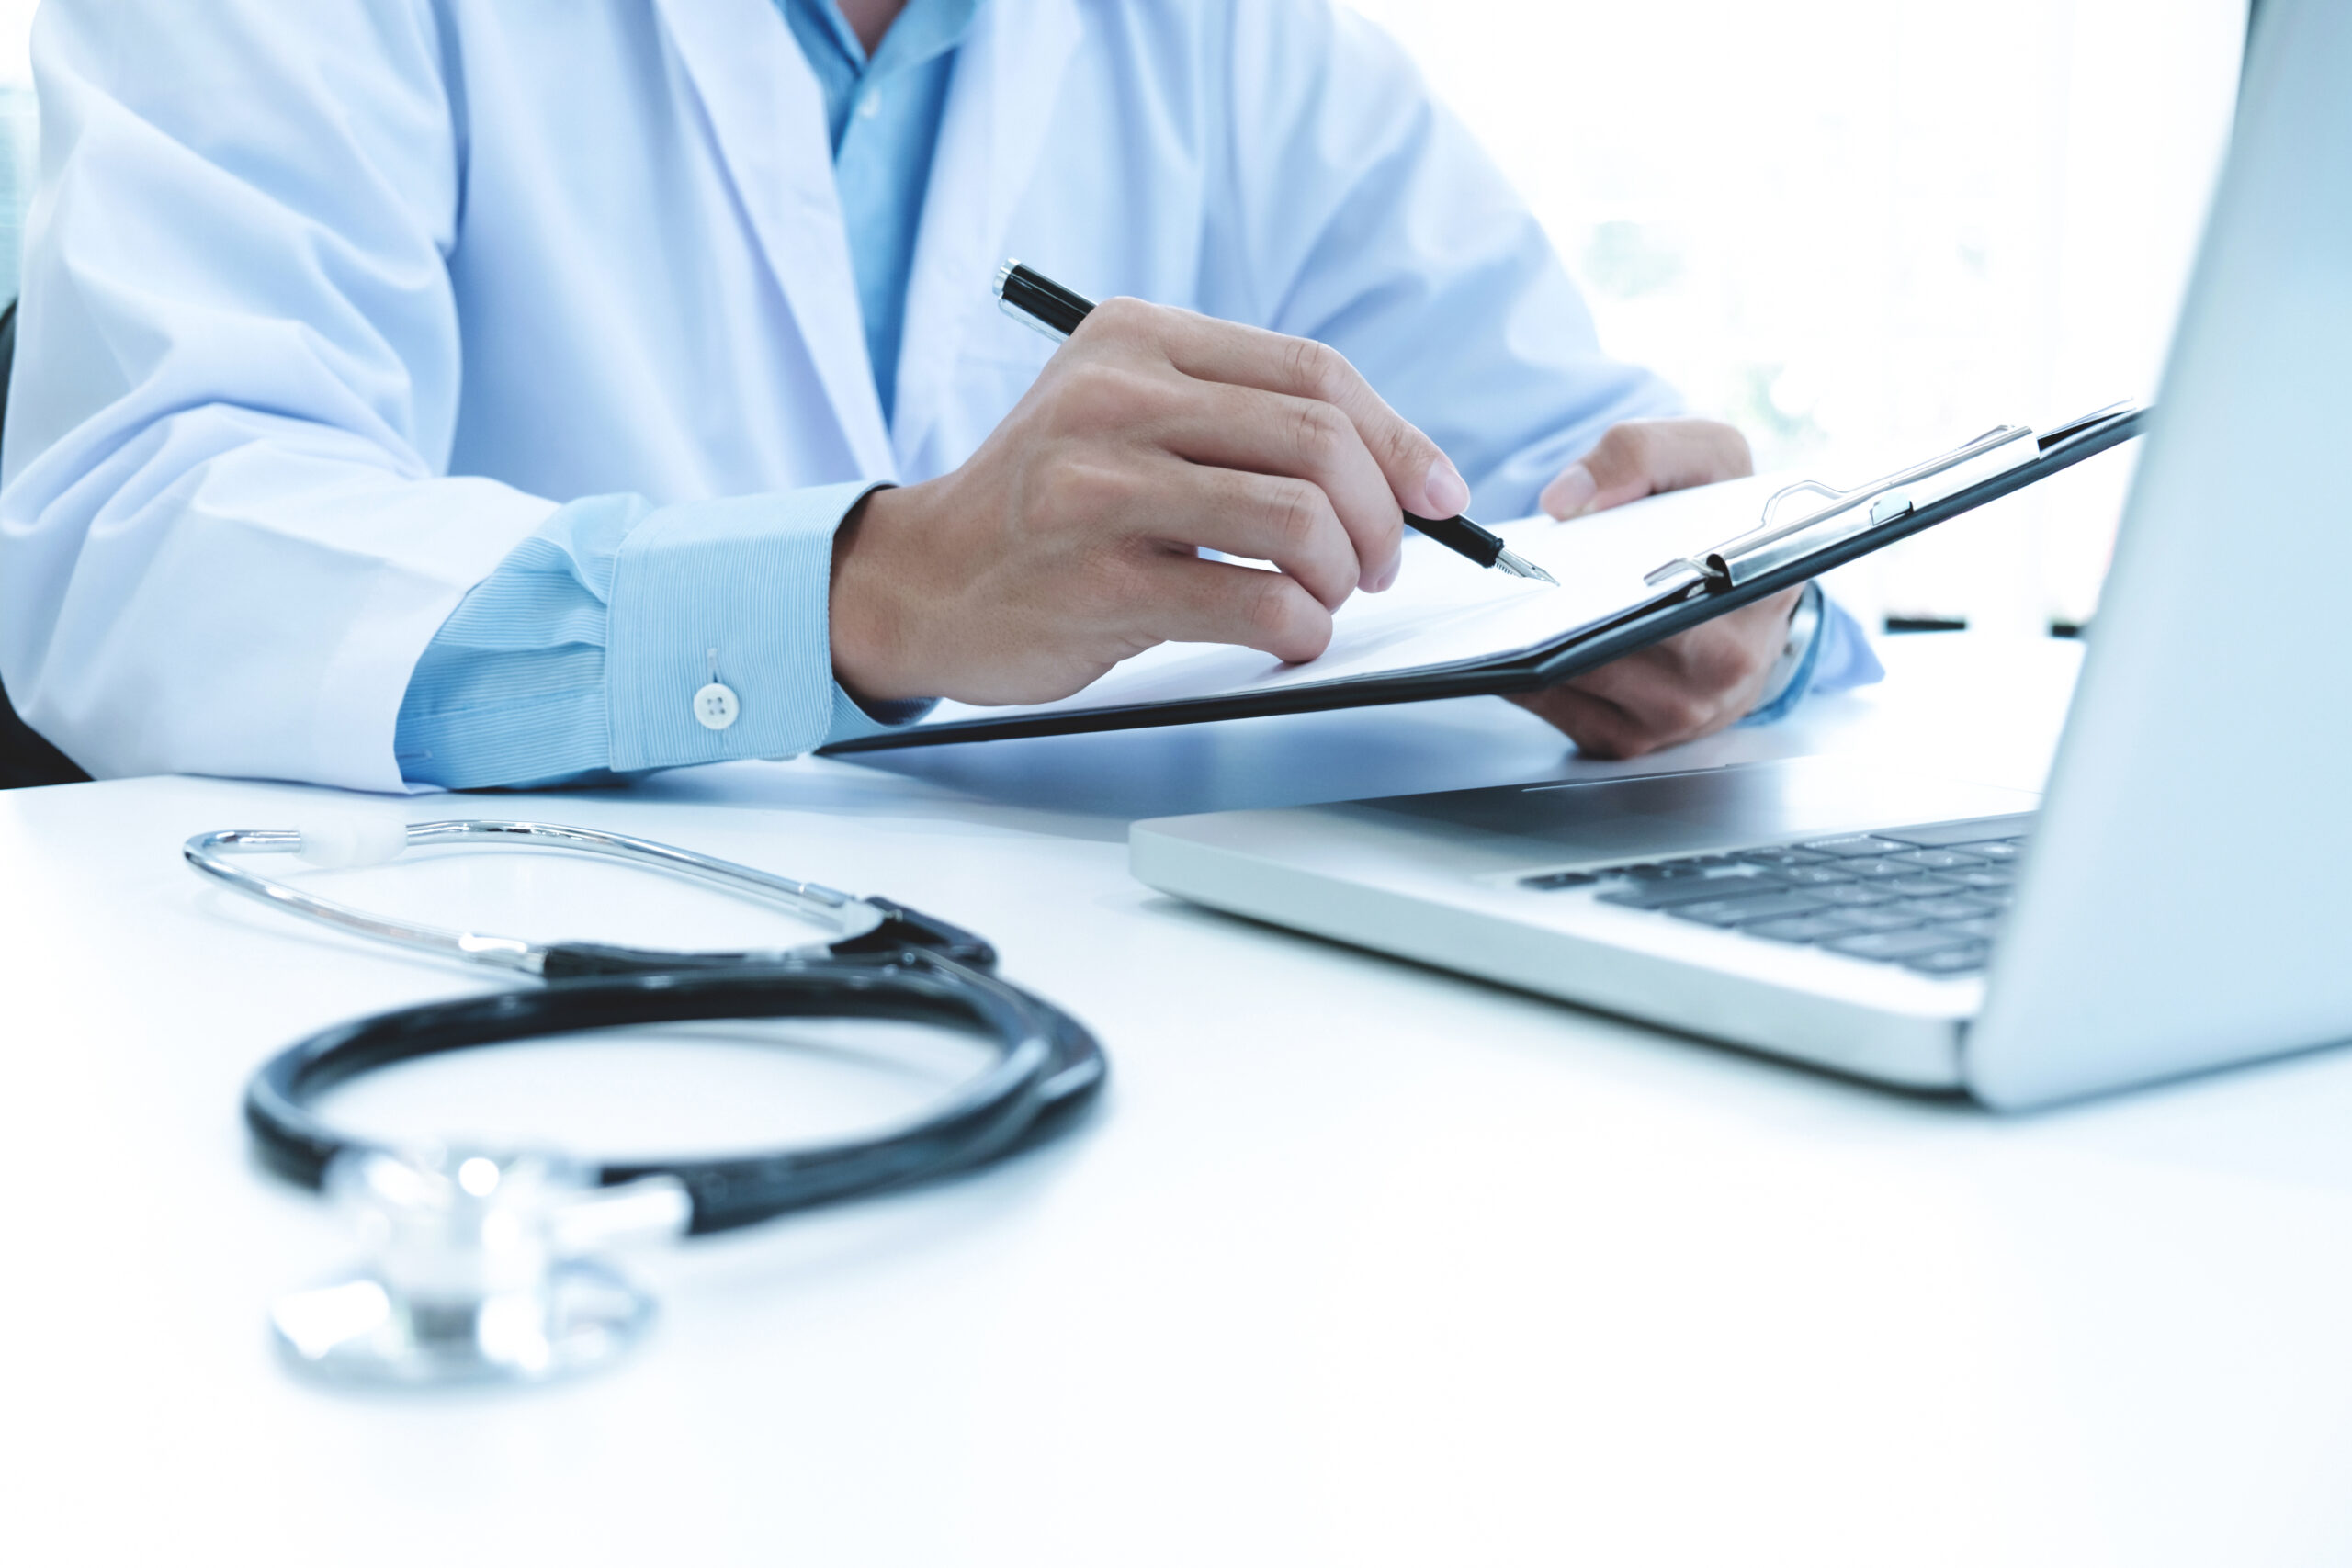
1863,230
1860,230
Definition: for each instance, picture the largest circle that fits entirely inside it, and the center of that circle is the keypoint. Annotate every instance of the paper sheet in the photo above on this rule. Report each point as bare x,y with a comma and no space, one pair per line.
1443,611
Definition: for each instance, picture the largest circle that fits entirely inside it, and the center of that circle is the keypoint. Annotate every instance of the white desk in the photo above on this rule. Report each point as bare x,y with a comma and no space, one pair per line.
1358,1263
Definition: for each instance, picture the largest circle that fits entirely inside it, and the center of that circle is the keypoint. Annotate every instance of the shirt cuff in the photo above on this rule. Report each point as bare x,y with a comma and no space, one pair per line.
854,719
732,593
1832,656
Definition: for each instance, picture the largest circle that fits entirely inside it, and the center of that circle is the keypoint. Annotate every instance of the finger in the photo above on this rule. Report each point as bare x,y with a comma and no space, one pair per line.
1697,682
1647,456
1259,432
1267,517
1420,476
1190,600
1599,728
1662,705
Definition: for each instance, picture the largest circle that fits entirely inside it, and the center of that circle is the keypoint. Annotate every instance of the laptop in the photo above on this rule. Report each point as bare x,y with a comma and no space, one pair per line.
2180,896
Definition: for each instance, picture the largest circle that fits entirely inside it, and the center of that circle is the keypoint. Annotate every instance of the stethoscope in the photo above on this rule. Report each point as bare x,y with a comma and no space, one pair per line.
485,1263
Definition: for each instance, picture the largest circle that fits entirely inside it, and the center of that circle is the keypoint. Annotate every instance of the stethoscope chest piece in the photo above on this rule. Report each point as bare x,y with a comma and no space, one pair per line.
478,1270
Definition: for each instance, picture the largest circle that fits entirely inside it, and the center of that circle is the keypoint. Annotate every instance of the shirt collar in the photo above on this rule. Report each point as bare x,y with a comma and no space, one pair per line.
923,31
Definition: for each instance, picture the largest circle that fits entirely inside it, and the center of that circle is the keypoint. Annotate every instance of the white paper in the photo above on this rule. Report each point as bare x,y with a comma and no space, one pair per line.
1444,610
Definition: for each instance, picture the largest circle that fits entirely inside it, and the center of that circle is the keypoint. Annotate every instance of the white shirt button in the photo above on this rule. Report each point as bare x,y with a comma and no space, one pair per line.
715,706
870,104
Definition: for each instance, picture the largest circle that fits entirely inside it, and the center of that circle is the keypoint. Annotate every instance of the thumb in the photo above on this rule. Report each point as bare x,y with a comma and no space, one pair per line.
1645,457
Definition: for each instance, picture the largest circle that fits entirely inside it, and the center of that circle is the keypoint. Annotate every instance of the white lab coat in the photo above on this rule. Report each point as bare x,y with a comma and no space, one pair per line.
328,303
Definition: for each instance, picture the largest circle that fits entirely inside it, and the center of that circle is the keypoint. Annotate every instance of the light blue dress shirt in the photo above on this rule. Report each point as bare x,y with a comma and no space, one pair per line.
524,685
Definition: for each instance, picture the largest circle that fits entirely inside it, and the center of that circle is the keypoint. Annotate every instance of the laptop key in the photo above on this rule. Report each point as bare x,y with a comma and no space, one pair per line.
1799,928
1943,835
1876,865
1852,894
1952,960
1741,911
1895,947
1920,885
1814,875
1997,851
1553,881
1937,860
1889,916
1941,910
1977,927
1996,878
1786,856
1853,844
1662,894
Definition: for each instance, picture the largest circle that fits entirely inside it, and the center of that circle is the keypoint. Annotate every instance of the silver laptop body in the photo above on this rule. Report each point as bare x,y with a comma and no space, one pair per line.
2183,898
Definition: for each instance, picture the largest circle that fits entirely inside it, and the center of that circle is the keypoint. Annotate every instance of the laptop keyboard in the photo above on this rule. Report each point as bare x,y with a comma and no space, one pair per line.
1929,898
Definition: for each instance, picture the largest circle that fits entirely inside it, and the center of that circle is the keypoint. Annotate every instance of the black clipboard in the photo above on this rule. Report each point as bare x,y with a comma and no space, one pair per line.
1775,556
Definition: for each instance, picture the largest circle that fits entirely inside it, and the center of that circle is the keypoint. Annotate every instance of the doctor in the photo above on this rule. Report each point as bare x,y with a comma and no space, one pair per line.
453,392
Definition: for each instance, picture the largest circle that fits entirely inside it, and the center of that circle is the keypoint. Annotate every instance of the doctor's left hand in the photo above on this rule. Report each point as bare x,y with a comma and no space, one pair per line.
1689,686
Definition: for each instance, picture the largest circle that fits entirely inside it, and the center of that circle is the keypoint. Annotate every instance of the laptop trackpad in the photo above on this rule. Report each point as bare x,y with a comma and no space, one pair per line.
1714,808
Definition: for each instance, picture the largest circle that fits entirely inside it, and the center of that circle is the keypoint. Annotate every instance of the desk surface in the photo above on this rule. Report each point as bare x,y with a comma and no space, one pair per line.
1358,1263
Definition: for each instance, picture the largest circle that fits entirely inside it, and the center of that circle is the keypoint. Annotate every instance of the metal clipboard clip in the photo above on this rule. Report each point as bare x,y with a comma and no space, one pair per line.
1845,514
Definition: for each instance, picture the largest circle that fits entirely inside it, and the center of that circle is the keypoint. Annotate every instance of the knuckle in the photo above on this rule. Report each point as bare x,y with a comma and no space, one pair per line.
1296,509
1081,491
1639,440
1319,434
1273,611
1122,316
1682,715
1403,447
1116,585
1101,395
1318,370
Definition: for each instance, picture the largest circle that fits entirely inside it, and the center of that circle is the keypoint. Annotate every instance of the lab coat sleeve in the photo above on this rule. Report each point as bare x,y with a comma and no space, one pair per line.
569,664
227,527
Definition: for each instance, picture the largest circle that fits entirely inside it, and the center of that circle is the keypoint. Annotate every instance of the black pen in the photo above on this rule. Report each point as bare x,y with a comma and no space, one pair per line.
1030,296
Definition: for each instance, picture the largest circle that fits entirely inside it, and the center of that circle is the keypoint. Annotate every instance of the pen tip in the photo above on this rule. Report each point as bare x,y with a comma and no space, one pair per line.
1519,565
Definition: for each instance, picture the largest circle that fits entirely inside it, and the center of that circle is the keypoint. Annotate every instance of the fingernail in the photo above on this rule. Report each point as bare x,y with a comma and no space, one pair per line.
1446,494
1385,578
1571,492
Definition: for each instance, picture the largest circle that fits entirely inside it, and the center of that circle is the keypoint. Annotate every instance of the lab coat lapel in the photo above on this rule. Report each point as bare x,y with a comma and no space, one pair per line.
766,112
1008,77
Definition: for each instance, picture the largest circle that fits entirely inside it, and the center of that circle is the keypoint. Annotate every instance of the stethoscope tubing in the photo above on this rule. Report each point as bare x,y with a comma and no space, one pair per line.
894,963
1045,1062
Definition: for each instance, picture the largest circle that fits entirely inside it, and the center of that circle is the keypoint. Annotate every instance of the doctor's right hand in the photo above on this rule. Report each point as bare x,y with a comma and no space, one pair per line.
1069,541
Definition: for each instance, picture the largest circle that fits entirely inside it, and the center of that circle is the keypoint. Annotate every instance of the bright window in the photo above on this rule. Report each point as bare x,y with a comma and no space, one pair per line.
1863,229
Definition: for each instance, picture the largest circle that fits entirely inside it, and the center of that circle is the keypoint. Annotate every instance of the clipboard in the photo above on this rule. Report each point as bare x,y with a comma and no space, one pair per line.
1791,543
